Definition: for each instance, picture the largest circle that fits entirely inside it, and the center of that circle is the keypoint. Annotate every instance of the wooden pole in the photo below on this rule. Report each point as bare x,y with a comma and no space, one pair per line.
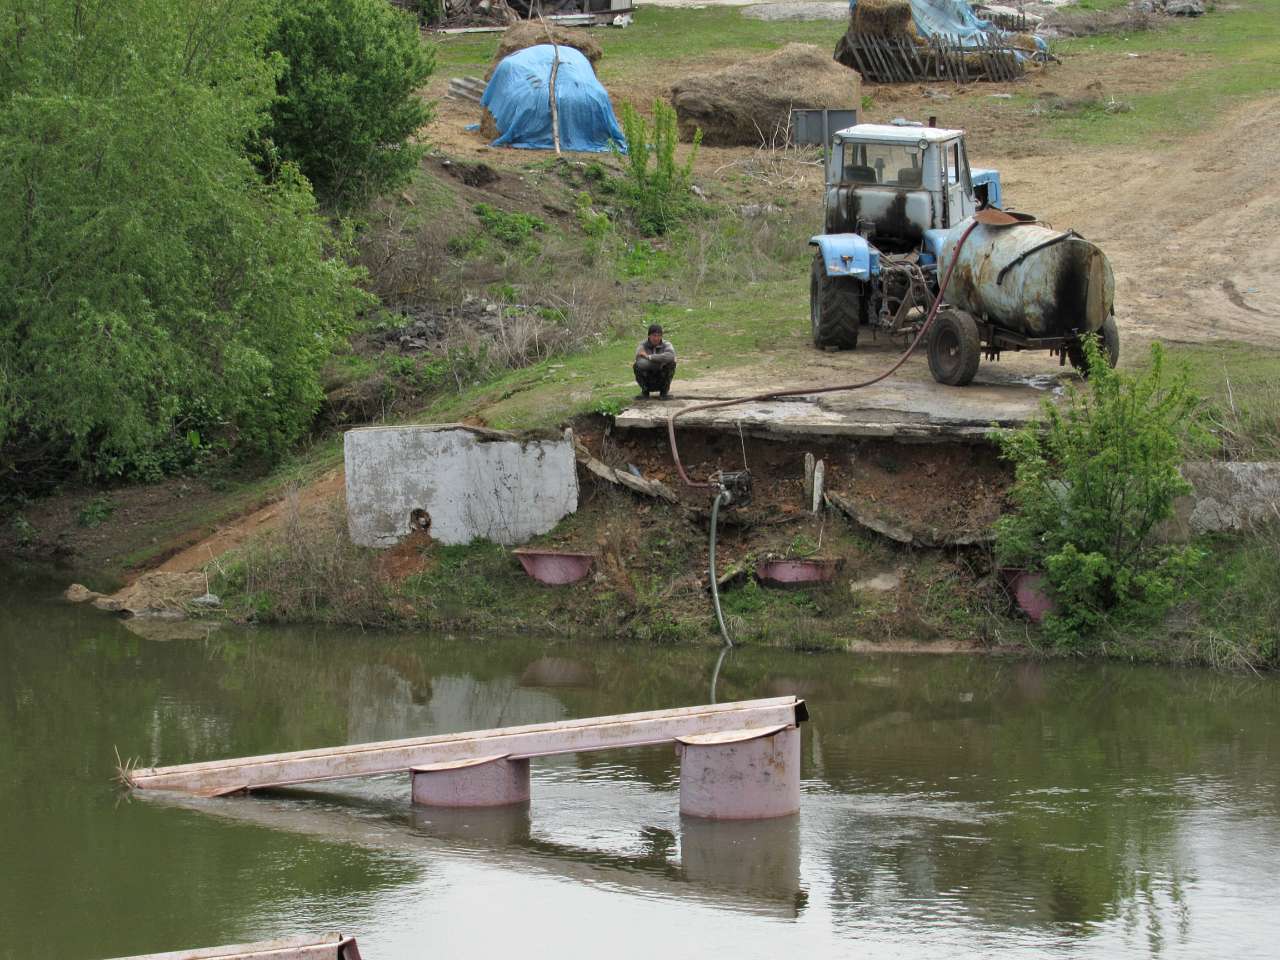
555,68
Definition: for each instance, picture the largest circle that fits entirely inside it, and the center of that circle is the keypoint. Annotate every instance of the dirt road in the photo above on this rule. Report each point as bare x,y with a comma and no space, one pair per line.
1191,231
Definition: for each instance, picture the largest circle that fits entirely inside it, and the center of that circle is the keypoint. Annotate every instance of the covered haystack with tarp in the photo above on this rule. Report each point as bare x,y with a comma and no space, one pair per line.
898,41
750,103
521,36
517,102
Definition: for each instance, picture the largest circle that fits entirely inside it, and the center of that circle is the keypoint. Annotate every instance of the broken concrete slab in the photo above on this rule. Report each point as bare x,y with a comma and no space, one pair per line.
623,478
1226,497
901,408
154,594
879,519
79,593
459,483
880,583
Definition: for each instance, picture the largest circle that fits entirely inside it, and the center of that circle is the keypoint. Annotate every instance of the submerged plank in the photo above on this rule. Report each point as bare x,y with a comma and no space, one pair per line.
392,756
330,946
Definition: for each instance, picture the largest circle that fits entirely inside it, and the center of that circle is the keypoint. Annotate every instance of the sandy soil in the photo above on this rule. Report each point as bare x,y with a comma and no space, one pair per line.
316,496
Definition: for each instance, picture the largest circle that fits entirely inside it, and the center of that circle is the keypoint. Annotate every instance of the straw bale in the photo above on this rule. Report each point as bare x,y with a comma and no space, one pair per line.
750,102
530,33
883,18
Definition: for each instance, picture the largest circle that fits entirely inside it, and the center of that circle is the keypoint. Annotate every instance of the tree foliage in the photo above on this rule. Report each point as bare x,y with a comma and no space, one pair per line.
1093,480
156,294
347,106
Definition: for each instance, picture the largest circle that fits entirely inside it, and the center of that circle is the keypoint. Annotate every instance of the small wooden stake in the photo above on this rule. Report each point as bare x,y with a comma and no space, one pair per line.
808,480
815,503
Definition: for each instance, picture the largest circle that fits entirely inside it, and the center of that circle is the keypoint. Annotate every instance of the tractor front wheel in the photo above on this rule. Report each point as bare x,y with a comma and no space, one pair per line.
1110,344
835,308
954,348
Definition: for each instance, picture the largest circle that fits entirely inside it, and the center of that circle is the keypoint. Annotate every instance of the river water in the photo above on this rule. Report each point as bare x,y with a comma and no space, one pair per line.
953,806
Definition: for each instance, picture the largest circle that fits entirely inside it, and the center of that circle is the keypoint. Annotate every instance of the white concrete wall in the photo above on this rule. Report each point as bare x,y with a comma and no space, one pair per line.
473,484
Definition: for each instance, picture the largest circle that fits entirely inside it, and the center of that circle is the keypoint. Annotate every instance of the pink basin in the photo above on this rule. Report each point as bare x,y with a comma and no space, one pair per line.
787,573
1031,594
554,566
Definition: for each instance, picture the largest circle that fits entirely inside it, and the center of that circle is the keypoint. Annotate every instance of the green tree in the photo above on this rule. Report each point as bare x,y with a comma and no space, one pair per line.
1093,480
155,293
347,107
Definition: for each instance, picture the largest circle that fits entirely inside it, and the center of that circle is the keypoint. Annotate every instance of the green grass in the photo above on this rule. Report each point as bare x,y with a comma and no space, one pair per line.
658,37
1241,385
1234,56
726,332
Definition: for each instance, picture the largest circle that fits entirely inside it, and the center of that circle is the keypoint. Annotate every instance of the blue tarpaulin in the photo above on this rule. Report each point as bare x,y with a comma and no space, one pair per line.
518,97
953,19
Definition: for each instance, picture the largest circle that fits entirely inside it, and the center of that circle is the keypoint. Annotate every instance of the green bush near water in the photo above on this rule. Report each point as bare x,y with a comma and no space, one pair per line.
1093,479
155,291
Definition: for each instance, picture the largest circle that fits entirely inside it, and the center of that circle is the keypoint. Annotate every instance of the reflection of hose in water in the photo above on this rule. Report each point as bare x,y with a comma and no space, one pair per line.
715,674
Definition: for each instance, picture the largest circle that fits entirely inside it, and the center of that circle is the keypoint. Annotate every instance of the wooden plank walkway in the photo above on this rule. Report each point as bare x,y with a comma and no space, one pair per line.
220,777
330,946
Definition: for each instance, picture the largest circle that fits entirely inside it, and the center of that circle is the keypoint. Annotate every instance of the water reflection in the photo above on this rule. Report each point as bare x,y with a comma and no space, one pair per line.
951,804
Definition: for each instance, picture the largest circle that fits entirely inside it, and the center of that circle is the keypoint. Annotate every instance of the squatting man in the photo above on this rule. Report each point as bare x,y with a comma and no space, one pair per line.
655,364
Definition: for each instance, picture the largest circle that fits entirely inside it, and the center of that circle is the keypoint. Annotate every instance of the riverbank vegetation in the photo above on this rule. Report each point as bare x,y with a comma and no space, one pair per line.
234,291
169,288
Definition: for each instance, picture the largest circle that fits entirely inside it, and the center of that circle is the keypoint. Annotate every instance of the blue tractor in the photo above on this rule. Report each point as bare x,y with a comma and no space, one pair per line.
899,198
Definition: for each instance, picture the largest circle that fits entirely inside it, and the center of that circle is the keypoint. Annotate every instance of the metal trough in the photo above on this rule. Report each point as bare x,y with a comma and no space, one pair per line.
554,567
796,573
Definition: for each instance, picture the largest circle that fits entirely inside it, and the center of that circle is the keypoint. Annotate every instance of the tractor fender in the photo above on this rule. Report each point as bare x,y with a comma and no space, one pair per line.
991,180
847,255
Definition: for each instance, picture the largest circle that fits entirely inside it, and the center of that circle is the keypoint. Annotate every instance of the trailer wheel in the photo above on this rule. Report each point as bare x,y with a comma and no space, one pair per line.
1110,344
954,348
835,308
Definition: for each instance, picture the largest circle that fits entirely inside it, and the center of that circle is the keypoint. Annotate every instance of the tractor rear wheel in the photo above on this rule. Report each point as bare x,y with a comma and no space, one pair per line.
954,348
835,308
1110,344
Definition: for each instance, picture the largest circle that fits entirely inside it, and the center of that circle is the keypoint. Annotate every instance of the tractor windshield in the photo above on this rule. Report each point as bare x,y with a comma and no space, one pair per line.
890,164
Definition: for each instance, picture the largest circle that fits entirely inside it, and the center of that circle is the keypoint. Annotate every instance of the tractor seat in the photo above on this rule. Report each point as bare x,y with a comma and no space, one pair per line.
860,174
910,176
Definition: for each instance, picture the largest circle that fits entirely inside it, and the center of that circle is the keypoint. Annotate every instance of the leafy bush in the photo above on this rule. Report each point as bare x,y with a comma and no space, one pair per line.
347,106
512,229
658,195
152,287
1092,481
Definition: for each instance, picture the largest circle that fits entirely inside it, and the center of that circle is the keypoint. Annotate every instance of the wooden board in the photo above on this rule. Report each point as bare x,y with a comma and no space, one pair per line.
330,946
392,756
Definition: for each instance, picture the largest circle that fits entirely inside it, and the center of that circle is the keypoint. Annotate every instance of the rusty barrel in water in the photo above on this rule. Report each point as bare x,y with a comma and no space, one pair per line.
1029,279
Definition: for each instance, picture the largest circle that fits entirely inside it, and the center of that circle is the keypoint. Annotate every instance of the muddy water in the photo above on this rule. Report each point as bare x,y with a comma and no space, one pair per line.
952,806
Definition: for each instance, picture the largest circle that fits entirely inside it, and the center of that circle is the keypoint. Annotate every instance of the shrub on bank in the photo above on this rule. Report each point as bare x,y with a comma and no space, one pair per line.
1093,479
347,108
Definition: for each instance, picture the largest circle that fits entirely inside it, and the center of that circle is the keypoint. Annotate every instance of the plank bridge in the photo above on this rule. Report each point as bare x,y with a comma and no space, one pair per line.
332,946
738,761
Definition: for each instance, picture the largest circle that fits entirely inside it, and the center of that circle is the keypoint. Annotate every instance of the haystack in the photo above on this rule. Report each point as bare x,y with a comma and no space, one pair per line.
883,18
750,103
530,33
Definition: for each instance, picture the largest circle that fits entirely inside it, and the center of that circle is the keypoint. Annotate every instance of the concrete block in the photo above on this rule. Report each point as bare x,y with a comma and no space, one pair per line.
1227,497
459,483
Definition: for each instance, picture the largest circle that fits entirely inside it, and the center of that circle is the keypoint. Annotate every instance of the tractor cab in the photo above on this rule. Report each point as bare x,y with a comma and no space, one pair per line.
891,183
